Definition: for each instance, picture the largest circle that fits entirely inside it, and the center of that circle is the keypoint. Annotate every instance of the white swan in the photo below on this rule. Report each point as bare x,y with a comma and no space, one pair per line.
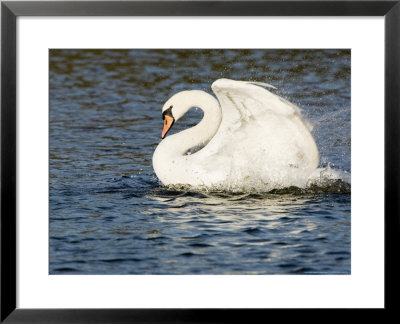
252,138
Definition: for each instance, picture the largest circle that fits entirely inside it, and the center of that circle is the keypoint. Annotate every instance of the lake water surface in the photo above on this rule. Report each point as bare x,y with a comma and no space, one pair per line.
109,214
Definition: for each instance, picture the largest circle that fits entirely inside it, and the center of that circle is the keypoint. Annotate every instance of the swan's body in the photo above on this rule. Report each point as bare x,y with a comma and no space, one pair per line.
252,137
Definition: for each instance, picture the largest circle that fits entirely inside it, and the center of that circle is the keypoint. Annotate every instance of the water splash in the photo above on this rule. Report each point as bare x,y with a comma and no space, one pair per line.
322,181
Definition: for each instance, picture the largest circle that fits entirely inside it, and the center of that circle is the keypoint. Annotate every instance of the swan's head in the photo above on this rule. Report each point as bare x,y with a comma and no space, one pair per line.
174,109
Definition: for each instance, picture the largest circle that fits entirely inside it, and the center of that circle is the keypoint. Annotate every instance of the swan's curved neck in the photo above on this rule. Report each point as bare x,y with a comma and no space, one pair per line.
180,143
169,160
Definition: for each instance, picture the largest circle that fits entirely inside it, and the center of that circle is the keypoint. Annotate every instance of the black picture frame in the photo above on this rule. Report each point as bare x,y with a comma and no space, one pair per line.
11,10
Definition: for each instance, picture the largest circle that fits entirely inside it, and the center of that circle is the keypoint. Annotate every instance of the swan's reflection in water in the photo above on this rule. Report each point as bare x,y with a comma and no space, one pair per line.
266,233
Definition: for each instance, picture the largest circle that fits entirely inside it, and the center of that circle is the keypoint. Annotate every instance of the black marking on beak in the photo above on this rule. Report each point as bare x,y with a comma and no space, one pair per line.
167,112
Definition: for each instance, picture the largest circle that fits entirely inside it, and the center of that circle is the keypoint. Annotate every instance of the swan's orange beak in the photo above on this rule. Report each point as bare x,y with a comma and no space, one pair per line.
168,122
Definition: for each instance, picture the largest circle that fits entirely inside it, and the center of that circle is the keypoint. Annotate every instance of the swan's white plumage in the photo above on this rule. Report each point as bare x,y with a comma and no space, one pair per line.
261,142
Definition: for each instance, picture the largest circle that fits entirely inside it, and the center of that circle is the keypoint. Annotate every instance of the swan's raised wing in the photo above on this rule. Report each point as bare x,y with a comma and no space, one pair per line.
260,133
243,101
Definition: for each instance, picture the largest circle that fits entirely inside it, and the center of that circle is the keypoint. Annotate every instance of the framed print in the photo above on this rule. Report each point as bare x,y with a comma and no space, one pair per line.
269,182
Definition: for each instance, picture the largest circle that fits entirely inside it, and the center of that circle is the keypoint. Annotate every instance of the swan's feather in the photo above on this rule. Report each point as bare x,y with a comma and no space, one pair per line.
242,101
261,84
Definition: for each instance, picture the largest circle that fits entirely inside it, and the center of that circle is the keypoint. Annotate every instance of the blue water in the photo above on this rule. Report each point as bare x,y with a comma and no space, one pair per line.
109,214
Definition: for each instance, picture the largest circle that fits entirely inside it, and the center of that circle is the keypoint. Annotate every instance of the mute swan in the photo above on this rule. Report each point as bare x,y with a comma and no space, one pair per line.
251,138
